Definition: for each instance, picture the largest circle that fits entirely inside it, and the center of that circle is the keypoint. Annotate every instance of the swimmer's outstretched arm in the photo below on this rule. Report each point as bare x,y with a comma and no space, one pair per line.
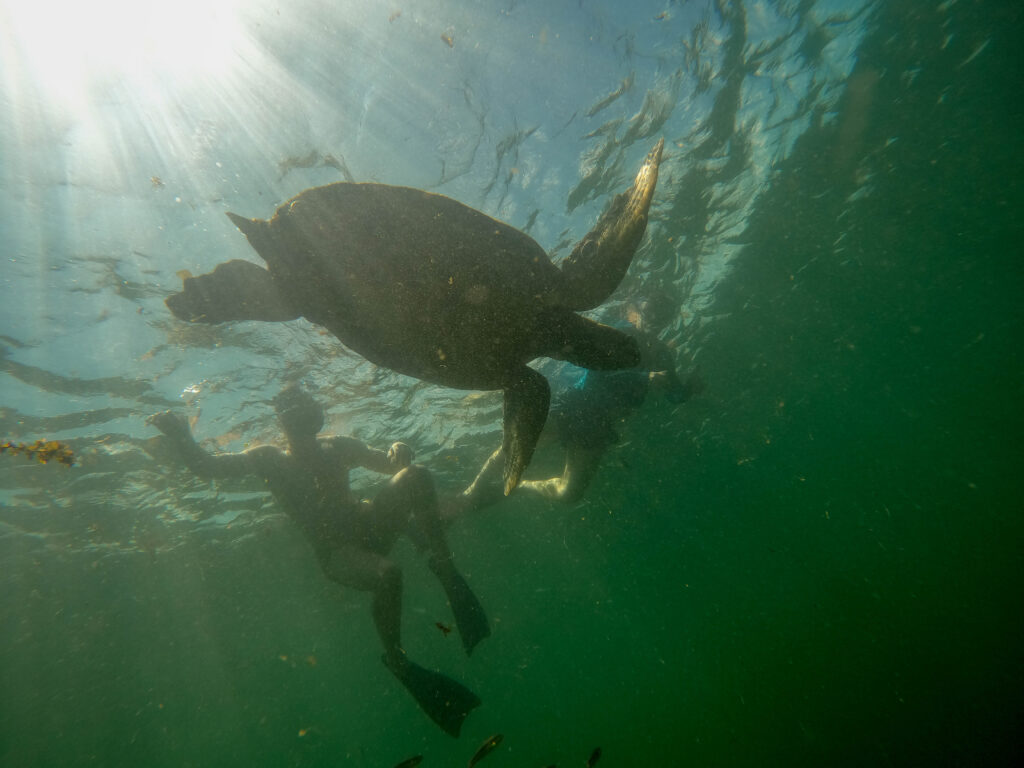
262,460
351,452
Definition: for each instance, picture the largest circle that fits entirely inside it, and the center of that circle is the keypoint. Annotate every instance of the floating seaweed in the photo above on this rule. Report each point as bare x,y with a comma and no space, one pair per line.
42,451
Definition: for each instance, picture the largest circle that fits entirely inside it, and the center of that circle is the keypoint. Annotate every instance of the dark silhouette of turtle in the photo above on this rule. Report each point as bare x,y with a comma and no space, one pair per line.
431,288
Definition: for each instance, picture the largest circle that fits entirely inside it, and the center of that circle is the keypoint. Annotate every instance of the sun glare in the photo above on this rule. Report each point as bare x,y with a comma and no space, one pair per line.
67,47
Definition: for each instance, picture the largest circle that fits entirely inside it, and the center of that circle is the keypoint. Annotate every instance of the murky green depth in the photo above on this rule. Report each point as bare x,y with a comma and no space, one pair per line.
817,562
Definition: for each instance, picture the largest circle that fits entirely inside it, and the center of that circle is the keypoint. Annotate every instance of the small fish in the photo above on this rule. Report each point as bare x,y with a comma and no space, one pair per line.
449,38
532,220
445,629
411,762
184,274
485,749
594,757
624,86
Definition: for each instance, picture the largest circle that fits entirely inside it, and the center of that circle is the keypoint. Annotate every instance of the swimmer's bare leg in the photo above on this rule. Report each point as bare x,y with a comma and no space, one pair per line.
446,701
415,486
370,572
409,502
580,467
485,490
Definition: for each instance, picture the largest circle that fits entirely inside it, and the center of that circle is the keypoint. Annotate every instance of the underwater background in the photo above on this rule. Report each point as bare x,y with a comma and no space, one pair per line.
818,561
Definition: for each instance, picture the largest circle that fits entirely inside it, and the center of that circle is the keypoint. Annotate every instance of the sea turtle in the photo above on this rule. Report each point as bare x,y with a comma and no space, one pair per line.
426,286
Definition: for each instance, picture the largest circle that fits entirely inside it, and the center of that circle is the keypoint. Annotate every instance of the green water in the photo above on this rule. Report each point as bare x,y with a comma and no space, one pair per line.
816,562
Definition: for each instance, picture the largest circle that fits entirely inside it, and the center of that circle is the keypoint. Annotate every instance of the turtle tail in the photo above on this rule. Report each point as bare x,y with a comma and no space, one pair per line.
256,231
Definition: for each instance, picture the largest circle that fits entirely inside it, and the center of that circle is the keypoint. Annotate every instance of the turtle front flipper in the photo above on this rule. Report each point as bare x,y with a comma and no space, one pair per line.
599,261
235,290
527,398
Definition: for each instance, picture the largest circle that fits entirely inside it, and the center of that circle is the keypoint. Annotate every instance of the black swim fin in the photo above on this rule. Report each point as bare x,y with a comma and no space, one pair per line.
469,614
445,701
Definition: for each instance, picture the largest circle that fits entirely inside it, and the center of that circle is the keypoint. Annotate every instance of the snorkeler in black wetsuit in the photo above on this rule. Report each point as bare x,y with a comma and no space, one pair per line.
352,539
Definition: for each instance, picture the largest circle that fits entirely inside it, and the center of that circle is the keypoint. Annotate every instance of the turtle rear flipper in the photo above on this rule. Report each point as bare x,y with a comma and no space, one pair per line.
235,290
589,344
526,408
599,261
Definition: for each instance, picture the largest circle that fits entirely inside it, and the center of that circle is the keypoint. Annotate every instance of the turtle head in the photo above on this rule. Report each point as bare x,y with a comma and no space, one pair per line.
599,261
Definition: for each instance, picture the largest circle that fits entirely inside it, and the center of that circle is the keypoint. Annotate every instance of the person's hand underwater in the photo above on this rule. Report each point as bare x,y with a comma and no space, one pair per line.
171,423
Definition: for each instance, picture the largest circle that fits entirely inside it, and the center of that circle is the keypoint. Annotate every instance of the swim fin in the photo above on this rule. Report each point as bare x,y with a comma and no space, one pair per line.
445,701
469,614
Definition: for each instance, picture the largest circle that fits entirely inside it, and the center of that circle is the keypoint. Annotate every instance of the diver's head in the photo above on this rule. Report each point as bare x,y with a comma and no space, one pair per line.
301,416
652,312
400,455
